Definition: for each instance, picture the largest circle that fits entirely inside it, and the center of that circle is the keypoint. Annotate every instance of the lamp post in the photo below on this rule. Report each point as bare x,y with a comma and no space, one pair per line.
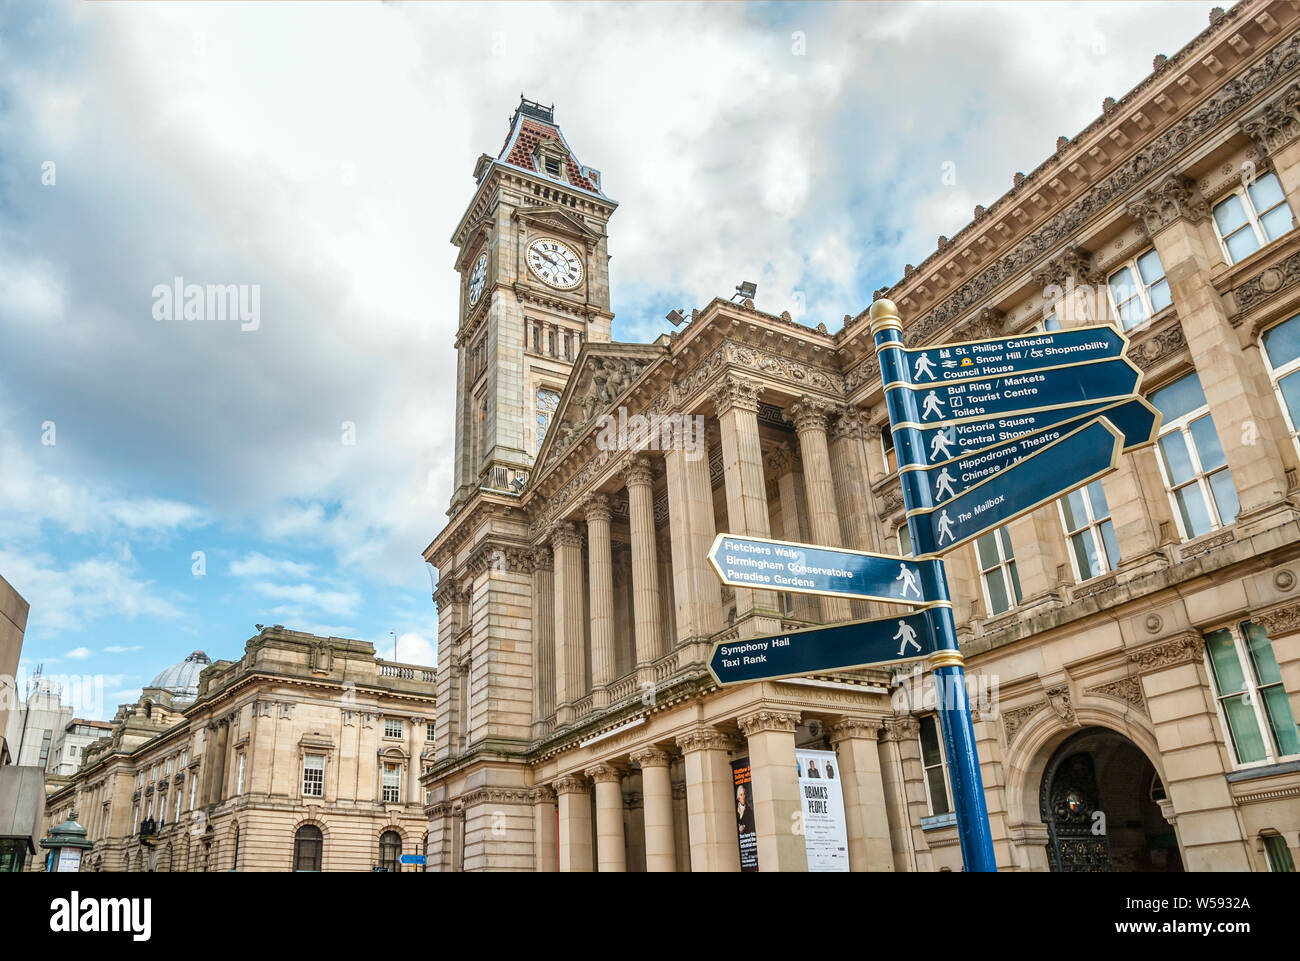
65,842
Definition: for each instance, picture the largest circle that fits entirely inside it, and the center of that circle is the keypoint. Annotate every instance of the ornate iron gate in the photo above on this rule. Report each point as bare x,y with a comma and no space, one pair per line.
1067,800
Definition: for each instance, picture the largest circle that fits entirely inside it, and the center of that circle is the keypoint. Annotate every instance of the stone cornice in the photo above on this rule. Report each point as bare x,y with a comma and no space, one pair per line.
497,795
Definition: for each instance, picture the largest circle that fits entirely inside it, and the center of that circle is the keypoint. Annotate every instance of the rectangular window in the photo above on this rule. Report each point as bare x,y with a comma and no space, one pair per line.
1282,353
1251,698
1279,858
313,775
392,727
904,540
1192,460
998,570
239,776
1086,518
1139,290
45,748
179,798
887,449
428,731
1250,217
392,783
932,760
194,784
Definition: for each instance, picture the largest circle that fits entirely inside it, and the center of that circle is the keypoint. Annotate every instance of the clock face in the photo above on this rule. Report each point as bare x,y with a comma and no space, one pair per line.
477,279
554,264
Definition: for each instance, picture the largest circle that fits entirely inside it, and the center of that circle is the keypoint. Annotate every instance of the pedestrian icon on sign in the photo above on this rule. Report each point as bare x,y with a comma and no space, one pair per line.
924,366
907,634
909,580
943,483
940,444
931,406
945,527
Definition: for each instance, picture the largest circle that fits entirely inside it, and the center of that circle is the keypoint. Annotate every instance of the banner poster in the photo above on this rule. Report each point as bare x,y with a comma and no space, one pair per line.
747,836
825,836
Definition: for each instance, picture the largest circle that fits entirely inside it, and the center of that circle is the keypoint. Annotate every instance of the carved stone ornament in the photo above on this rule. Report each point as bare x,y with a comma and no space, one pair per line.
780,459
1014,719
901,728
705,739
605,773
1266,284
810,413
1155,347
543,795
847,728
768,720
1173,198
1277,123
1059,700
596,508
1279,621
736,392
571,784
565,535
651,757
638,472
1185,648
1125,689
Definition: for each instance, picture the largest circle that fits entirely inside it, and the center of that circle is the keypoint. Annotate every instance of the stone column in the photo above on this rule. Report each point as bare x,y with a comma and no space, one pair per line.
611,850
891,775
865,812
1138,508
601,590
645,565
569,627
736,402
681,826
545,830
1038,542
809,416
710,801
1173,214
1192,752
657,795
775,789
543,639
785,467
574,834
858,521
692,528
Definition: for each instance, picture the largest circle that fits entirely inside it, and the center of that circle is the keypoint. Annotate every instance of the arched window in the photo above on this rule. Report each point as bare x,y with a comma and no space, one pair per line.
390,847
307,845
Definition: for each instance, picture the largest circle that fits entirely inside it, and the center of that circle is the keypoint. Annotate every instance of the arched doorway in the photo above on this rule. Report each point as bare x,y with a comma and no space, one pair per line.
1099,799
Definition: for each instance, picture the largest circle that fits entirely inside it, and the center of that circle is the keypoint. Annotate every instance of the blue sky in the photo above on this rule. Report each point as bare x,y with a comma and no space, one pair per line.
325,154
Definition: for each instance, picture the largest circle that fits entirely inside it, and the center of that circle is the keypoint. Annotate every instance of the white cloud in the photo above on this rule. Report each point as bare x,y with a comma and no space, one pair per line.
413,648
256,564
119,649
78,653
310,597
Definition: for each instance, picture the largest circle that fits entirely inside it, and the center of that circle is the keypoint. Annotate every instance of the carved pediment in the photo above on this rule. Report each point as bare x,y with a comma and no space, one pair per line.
601,375
551,217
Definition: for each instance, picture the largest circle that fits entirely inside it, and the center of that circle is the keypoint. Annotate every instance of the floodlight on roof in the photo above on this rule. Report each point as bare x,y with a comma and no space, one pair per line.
746,291
676,317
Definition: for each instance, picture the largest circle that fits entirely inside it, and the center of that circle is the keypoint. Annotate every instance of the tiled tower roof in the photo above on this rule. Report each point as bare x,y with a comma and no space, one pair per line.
531,125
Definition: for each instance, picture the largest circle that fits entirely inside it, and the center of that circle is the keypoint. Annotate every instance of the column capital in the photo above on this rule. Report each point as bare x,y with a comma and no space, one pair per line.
705,739
542,795
1173,198
543,559
809,413
848,728
565,534
651,757
765,720
1277,123
596,507
1072,264
901,728
605,773
849,422
638,472
571,784
735,393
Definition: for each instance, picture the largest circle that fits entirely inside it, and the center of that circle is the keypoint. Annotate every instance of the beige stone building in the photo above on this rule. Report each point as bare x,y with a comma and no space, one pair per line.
302,755
1139,640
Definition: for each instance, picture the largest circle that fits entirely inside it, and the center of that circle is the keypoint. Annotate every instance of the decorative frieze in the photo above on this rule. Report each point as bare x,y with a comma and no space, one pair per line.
1125,689
497,795
542,795
1183,649
1266,284
1014,719
765,720
1155,347
1279,621
783,368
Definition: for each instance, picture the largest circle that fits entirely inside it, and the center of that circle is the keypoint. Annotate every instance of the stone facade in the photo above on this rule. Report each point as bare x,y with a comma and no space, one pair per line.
578,727
223,780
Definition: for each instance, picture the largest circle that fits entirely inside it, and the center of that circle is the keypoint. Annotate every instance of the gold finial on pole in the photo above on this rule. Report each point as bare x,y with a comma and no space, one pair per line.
884,315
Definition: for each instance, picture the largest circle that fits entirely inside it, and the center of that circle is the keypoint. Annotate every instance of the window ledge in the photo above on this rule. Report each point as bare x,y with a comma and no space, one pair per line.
1254,773
933,822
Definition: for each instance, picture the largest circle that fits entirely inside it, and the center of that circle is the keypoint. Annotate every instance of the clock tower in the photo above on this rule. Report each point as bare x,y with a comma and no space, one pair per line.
534,267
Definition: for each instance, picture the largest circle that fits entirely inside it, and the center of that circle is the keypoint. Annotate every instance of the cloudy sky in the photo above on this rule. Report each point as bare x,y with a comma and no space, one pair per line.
166,484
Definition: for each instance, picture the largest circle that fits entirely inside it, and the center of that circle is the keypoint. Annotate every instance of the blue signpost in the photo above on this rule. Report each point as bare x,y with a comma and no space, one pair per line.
984,432
809,569
954,710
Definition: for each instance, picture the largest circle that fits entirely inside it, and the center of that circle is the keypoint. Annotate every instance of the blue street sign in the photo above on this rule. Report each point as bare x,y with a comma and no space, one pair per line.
412,858
878,640
923,405
808,569
928,487
1021,354
1056,468
1133,417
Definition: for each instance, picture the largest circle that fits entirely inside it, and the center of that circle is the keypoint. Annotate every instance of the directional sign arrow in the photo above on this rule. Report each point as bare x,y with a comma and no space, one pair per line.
810,569
945,480
1057,468
972,360
879,640
1133,417
924,405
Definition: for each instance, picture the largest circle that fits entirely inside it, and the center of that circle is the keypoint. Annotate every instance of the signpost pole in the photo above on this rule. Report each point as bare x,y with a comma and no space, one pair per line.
950,677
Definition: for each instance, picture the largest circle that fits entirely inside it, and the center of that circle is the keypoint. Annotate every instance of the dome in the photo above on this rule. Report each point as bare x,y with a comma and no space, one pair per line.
182,679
